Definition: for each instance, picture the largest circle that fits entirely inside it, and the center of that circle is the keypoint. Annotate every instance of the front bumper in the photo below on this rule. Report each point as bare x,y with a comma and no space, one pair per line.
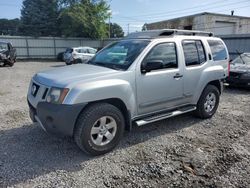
58,119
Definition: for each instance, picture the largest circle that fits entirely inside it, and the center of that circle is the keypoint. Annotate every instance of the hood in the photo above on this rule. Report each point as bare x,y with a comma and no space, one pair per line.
61,77
240,68
3,50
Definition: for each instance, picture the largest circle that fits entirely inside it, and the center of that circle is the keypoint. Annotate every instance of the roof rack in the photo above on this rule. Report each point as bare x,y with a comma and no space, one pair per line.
167,32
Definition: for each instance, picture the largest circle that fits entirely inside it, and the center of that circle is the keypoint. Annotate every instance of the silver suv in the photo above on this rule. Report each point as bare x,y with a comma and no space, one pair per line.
144,78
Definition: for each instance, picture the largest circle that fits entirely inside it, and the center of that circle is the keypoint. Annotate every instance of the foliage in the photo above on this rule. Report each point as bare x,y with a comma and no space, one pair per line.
85,19
9,27
144,27
39,17
69,18
116,30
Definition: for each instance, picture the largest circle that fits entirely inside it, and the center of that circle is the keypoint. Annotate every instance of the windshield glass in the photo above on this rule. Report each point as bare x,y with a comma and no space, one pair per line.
3,46
120,55
244,59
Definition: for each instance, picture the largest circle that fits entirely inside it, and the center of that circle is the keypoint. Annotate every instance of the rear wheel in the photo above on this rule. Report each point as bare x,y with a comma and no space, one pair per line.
69,63
99,128
208,102
78,61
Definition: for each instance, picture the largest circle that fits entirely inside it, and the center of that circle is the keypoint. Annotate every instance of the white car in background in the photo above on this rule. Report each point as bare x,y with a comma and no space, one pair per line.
78,55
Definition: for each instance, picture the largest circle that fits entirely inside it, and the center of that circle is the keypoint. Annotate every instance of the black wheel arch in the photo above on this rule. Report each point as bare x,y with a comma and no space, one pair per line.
217,84
118,103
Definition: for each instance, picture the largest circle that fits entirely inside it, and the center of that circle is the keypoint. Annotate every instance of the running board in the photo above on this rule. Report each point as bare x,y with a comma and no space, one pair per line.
162,116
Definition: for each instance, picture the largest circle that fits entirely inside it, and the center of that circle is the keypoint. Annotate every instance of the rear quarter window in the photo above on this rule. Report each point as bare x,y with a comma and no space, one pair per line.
194,52
218,50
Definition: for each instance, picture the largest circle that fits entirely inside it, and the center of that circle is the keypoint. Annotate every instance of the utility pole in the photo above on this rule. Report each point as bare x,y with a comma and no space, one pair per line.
128,29
109,14
109,27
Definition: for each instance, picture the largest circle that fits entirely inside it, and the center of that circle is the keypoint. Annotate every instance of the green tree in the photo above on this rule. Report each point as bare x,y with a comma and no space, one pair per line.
116,30
144,27
85,18
39,18
9,27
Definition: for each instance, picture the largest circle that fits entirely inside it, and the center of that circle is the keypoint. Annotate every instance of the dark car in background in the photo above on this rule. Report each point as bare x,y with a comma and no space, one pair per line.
240,71
7,54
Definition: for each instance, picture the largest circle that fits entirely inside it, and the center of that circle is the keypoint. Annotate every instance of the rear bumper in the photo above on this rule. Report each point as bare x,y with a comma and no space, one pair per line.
57,119
243,82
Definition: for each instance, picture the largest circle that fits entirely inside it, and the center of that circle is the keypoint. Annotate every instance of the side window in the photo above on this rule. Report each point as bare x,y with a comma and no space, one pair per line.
201,51
218,50
194,52
165,52
91,51
77,50
83,50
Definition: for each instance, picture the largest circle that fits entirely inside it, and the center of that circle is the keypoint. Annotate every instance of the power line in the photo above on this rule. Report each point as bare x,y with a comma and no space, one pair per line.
213,21
181,25
180,10
174,14
9,5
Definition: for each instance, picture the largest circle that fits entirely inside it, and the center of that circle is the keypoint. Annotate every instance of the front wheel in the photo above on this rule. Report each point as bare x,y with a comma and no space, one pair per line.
78,61
208,102
99,128
9,62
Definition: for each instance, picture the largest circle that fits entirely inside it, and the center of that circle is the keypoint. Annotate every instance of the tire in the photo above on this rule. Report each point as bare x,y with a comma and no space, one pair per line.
78,61
9,63
208,102
89,122
69,63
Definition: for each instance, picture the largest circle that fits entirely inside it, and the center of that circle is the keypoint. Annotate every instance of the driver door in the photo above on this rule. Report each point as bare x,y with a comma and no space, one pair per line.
162,88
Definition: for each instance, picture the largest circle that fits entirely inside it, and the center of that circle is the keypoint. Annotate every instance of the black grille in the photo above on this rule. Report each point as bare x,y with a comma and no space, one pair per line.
34,89
45,93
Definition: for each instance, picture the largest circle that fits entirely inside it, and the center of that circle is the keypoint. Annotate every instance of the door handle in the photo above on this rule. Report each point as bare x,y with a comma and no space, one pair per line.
178,76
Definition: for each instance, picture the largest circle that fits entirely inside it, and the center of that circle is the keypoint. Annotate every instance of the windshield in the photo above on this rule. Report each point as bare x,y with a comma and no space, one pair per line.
119,55
244,59
3,46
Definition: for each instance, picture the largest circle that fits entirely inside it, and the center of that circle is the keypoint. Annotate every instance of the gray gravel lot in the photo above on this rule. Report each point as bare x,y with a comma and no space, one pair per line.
178,152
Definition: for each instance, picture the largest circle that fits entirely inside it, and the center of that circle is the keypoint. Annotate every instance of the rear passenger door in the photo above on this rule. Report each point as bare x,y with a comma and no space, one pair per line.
195,62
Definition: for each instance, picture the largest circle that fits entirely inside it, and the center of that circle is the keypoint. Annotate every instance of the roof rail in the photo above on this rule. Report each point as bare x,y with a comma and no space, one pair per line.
167,32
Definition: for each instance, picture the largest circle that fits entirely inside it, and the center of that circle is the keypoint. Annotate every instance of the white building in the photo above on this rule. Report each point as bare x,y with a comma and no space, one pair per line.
220,24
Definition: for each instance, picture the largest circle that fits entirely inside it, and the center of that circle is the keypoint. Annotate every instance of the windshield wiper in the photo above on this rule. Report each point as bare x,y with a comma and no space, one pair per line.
107,65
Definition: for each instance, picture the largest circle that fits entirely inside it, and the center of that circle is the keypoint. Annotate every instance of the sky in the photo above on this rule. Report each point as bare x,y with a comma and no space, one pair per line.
132,14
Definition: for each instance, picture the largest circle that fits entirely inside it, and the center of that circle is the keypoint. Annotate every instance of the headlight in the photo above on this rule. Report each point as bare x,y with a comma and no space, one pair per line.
57,95
3,56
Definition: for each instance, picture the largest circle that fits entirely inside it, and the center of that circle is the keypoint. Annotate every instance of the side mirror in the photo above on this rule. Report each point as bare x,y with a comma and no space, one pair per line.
151,65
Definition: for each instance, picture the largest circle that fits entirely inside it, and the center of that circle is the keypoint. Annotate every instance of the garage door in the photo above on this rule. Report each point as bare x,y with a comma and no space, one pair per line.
224,28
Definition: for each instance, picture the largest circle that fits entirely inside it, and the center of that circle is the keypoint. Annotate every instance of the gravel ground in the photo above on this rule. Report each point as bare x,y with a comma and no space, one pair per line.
178,152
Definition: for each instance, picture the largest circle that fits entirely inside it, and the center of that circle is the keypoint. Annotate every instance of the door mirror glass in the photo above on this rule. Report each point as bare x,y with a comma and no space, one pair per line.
152,65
